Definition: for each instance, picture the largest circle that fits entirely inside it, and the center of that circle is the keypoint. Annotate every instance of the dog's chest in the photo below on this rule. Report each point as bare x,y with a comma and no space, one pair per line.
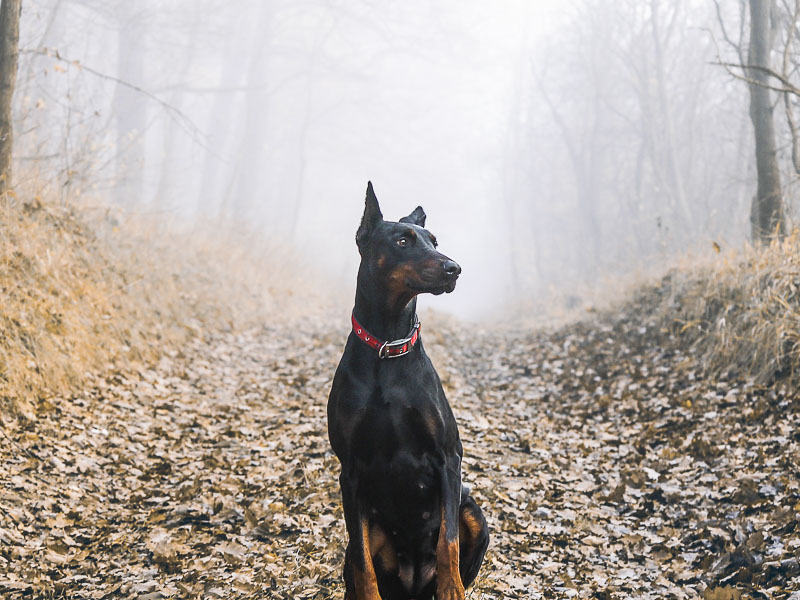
399,464
397,420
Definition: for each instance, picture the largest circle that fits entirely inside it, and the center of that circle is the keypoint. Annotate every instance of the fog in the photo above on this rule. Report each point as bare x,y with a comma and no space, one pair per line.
552,145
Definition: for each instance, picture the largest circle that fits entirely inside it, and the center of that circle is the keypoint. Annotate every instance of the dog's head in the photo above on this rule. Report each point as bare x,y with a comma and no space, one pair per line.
402,255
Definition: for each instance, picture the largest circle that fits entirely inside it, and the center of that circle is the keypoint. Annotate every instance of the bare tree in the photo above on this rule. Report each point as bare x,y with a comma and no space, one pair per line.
131,111
767,212
661,33
245,188
9,56
622,109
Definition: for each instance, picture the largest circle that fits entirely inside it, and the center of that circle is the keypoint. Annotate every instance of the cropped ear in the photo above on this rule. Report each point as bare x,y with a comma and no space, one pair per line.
415,218
372,216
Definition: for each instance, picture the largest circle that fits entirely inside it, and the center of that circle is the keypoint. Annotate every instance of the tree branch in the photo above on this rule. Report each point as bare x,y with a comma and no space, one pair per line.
725,36
787,88
787,101
180,118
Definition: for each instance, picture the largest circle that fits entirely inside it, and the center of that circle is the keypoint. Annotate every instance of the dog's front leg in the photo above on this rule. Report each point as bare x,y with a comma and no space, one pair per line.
448,576
365,583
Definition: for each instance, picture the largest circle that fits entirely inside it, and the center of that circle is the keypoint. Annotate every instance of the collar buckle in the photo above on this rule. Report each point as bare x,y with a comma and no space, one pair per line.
398,348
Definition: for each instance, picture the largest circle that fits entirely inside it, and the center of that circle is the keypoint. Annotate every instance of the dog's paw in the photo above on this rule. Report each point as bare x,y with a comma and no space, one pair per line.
451,591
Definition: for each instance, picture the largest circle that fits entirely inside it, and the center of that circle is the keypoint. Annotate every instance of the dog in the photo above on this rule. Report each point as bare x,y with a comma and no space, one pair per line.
414,532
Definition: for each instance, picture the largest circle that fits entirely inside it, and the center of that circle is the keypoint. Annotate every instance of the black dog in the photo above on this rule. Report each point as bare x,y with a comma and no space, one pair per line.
414,532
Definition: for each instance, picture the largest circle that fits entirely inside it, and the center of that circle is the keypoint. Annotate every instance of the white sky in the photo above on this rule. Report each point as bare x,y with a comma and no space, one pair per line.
427,127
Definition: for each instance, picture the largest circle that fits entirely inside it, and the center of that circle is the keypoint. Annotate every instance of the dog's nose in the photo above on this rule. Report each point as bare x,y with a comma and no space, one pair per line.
451,268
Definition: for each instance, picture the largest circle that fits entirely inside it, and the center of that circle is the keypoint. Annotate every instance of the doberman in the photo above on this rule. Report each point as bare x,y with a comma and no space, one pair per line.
414,531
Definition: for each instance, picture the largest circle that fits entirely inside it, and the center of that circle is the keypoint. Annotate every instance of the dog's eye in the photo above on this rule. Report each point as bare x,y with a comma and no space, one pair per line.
402,242
434,242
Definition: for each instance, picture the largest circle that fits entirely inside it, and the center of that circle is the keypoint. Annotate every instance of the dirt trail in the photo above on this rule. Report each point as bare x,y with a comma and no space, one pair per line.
607,469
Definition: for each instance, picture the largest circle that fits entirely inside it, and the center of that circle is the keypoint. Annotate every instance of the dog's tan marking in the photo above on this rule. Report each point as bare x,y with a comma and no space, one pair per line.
397,285
381,546
469,526
448,577
366,583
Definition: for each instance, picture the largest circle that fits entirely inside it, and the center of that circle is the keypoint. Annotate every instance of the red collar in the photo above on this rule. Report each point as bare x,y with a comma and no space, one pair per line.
388,349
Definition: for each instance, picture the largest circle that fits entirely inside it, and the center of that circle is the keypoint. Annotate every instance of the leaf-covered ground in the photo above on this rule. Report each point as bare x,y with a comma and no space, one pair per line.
607,467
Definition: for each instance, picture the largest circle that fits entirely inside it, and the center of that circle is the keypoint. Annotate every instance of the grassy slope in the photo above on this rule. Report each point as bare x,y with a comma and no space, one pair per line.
739,316
81,294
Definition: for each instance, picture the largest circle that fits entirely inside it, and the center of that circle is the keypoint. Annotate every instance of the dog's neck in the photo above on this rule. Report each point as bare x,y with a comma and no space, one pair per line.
381,315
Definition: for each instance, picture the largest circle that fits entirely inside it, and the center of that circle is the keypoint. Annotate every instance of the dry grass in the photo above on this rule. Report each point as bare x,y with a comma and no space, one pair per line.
57,309
736,313
84,290
739,315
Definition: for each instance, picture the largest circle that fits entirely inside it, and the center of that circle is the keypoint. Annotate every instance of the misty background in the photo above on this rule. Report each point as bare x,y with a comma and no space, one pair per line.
551,145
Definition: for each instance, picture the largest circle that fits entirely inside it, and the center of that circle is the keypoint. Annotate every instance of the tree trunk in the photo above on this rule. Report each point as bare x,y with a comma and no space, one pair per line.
129,107
766,213
673,175
245,189
164,194
220,132
9,56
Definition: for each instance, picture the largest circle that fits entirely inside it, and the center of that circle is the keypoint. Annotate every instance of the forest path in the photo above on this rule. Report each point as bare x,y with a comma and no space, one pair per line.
606,468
